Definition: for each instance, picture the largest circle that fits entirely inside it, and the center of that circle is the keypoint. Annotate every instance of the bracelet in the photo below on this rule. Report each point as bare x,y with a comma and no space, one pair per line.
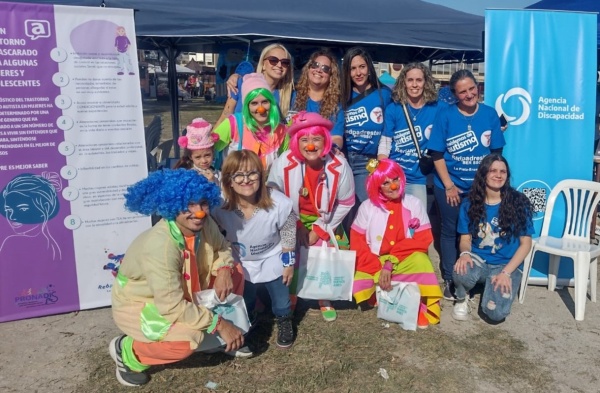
465,253
288,258
505,272
212,329
227,267
451,187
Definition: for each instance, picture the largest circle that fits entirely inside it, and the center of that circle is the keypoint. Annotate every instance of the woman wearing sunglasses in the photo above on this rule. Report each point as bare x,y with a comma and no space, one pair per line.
359,126
275,63
261,226
318,89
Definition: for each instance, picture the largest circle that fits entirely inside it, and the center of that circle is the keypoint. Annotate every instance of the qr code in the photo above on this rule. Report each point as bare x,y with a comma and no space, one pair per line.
537,196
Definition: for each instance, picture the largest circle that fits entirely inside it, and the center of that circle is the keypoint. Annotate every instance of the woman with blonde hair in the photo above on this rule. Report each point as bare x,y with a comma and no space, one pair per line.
275,63
415,91
318,89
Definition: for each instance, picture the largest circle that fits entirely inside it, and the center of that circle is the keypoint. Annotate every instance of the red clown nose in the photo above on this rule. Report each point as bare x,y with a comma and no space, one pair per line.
261,110
394,187
200,214
311,147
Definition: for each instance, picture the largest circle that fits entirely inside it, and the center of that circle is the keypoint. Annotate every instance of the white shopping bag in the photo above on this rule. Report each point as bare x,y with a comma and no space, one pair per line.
326,273
232,309
400,304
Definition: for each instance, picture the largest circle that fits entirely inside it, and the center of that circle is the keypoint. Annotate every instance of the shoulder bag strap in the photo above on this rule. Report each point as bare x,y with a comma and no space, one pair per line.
413,134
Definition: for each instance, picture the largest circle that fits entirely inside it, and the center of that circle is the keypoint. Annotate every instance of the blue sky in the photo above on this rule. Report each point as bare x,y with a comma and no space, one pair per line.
478,6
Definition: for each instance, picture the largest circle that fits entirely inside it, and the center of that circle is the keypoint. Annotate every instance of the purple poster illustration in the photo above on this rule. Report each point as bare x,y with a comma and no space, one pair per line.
65,158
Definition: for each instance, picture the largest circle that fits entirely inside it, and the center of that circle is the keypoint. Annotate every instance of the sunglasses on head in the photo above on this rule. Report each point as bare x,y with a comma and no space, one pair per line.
285,63
315,65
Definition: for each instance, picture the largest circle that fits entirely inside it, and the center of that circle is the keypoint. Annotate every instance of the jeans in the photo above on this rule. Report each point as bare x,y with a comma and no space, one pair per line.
418,190
358,163
494,303
279,293
448,235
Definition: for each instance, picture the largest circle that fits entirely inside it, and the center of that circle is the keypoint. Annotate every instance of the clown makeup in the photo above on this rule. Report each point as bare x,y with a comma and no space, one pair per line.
259,109
390,188
311,147
202,158
191,221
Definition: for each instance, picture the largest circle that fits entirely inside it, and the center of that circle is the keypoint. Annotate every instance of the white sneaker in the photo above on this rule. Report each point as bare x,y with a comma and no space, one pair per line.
461,310
243,352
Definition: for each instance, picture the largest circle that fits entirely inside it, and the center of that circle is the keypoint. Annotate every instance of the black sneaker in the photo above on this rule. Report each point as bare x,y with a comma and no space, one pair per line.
285,332
449,290
125,375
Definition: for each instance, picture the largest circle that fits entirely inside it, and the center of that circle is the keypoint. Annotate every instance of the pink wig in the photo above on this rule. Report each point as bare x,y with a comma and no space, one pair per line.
315,130
387,169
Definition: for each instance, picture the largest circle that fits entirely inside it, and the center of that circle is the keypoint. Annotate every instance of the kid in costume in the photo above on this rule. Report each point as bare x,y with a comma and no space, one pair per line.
319,183
258,128
153,300
391,235
198,153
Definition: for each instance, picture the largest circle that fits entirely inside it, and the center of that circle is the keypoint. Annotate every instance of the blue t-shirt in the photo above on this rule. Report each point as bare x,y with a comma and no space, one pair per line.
488,243
403,148
362,123
465,141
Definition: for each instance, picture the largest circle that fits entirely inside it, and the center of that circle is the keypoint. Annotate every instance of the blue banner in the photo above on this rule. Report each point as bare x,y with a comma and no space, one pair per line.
540,72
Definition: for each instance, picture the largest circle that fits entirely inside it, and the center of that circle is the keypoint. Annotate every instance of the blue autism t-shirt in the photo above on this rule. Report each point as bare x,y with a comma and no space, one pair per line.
361,124
465,141
403,148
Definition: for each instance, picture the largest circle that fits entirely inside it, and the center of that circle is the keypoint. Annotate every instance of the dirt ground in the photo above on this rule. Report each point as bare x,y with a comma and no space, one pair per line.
49,354
540,347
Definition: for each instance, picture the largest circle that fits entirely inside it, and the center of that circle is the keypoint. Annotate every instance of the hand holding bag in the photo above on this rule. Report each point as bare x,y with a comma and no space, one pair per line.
233,309
400,304
426,165
326,273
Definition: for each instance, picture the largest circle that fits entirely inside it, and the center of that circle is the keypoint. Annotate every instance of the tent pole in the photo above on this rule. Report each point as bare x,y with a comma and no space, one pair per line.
172,52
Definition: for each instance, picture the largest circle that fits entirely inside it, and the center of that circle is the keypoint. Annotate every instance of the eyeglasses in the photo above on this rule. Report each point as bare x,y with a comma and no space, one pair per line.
315,65
285,63
248,177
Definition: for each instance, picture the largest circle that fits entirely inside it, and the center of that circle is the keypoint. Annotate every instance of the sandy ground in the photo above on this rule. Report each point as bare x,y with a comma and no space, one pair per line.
44,354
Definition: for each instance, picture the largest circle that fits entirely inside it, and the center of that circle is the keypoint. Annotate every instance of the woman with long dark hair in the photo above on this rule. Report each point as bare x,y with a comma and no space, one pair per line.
495,226
360,123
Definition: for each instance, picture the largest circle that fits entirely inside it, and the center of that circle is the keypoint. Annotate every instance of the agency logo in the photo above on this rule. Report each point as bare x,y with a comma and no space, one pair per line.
29,298
403,137
525,99
114,263
35,29
466,141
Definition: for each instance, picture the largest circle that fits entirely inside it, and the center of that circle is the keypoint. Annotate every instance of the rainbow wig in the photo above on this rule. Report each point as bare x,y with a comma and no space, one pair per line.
315,130
274,117
386,169
169,192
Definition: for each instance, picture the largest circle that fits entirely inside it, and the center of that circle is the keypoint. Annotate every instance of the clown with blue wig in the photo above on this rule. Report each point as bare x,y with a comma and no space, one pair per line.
153,300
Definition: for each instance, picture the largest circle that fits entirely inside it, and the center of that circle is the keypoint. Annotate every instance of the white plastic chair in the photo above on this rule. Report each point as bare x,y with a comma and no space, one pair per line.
581,201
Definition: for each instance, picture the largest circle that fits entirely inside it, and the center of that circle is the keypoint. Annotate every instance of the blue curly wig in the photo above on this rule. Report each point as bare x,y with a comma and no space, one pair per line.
169,192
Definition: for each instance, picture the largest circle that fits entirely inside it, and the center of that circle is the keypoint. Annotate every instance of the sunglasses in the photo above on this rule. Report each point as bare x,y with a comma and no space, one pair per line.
285,63
315,65
248,177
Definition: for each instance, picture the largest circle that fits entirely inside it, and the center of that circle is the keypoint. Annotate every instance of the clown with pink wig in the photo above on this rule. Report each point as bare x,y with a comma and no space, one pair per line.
198,153
319,183
391,234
